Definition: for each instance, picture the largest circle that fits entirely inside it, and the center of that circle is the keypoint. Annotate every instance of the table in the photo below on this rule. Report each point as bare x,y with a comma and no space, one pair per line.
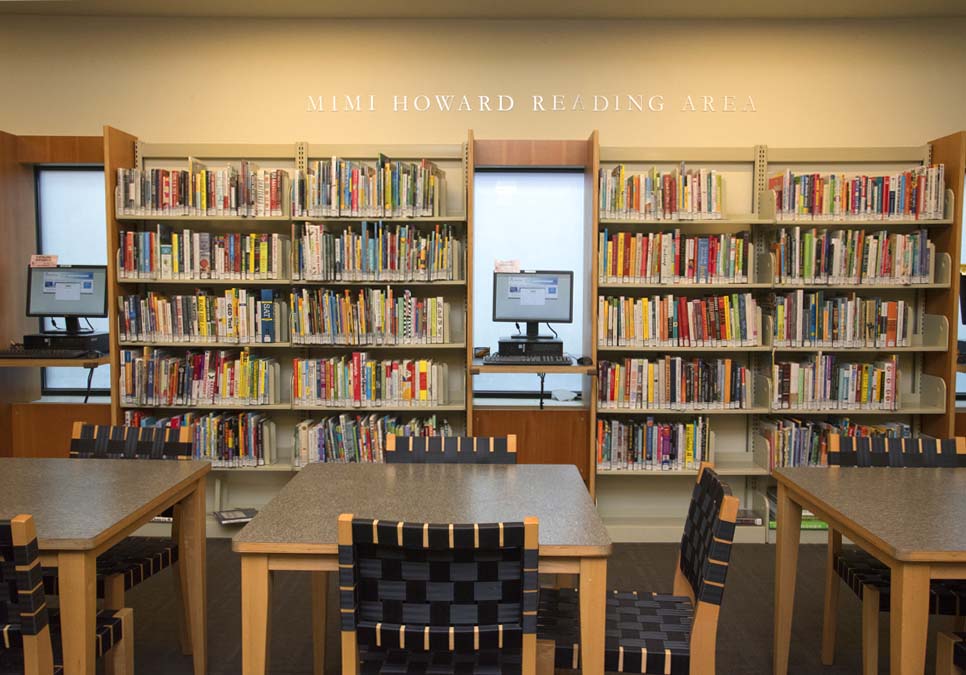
82,507
913,520
298,531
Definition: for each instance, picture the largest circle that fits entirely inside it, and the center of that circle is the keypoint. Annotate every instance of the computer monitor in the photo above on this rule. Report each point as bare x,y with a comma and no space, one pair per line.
69,291
533,297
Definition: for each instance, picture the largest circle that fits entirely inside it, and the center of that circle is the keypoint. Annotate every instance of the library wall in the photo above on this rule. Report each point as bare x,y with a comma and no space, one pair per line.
813,84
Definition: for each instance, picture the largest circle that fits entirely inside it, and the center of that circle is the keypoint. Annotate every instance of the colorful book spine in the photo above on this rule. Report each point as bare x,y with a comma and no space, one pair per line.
357,380
680,194
820,319
652,445
673,383
357,438
825,382
674,258
793,441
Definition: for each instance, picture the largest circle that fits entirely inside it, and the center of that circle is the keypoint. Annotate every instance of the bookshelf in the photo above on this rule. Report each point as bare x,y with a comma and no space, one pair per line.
653,510
255,485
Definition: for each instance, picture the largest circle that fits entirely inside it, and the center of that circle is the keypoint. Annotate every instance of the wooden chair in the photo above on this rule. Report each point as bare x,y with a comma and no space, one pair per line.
420,597
31,633
868,577
135,559
951,654
451,449
651,632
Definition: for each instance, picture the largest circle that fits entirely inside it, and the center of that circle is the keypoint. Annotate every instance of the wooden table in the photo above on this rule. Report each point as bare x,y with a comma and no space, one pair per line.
82,507
913,520
297,531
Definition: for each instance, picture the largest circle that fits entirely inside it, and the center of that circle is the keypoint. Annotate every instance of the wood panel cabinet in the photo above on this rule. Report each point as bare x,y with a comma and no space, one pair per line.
43,429
549,436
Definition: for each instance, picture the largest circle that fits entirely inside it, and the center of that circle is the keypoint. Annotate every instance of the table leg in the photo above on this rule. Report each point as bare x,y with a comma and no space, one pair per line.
593,611
786,566
192,544
909,618
256,589
320,596
76,571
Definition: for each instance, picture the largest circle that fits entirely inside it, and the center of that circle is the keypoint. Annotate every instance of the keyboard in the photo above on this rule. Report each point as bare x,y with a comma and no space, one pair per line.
43,354
522,360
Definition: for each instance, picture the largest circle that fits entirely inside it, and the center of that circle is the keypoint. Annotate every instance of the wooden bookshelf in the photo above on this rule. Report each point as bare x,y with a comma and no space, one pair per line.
127,151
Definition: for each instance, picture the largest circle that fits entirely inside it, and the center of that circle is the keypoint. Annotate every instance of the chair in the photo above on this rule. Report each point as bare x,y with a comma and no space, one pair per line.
451,449
652,632
426,598
128,563
868,577
951,654
31,633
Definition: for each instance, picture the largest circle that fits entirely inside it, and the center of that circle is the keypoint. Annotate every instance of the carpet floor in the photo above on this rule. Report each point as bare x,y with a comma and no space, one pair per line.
744,631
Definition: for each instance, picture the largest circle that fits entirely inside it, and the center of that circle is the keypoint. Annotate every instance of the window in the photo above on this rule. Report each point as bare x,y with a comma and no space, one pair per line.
536,217
70,225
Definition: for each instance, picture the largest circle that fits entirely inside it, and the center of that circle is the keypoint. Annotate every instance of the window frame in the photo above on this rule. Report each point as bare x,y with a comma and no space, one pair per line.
46,390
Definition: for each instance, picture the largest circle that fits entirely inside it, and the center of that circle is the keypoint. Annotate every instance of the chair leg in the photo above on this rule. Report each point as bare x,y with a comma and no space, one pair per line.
870,630
114,599
944,654
545,657
181,603
120,659
832,584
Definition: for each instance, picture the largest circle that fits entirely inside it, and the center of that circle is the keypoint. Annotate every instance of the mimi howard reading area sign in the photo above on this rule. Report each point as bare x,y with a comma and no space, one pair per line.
504,103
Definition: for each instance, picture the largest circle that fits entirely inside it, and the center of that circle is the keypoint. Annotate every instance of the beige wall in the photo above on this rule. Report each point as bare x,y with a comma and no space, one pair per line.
842,83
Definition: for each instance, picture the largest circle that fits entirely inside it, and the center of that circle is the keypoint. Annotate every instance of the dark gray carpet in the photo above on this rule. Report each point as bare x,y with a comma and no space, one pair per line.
744,632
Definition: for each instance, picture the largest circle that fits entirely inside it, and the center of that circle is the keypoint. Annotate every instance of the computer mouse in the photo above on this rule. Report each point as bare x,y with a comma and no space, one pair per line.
585,361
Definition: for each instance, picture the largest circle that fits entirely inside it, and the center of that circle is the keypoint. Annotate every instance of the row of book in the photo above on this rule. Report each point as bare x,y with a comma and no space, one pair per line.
358,380
818,256
679,194
387,189
370,316
227,440
672,382
235,315
917,193
653,446
243,190
152,377
802,442
161,253
357,438
668,321
819,319
672,257
378,252
824,382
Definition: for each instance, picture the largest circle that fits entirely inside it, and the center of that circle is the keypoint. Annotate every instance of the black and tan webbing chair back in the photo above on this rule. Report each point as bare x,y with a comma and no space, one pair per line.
24,618
453,593
451,449
864,451
104,441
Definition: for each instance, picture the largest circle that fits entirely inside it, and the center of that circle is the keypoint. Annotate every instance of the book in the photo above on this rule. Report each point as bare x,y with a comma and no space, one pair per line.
825,319
358,380
827,382
358,438
794,441
674,258
679,194
672,382
651,445
235,516
748,517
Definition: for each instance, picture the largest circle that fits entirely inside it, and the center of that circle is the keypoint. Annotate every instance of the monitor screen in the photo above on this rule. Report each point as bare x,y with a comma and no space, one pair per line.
77,290
533,296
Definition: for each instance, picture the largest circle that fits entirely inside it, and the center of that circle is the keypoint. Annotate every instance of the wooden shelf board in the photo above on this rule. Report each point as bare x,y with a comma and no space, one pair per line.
188,219
442,220
208,345
55,363
227,406
685,287
749,219
633,349
377,282
420,346
206,282
429,409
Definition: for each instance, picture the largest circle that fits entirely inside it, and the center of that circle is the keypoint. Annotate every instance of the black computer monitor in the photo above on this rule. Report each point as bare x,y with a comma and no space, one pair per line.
69,291
533,297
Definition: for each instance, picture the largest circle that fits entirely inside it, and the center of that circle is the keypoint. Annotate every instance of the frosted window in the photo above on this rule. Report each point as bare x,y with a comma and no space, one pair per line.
538,219
71,215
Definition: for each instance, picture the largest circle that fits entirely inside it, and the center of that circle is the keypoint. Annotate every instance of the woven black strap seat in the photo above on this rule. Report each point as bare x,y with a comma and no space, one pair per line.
451,449
136,558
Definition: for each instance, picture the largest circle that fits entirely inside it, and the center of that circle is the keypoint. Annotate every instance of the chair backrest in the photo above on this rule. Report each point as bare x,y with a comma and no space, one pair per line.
23,606
104,441
447,587
896,452
706,543
451,449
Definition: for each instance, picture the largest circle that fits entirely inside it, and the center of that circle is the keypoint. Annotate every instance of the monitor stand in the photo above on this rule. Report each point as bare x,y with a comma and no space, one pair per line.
532,334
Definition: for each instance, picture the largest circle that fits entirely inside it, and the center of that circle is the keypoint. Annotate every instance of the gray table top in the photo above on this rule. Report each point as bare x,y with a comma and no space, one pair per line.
302,517
912,514
77,504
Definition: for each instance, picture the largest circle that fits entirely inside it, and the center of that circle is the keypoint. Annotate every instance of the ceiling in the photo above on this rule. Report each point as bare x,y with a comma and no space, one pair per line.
499,9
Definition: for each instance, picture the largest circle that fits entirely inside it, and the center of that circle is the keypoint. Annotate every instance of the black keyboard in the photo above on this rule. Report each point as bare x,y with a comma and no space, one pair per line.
44,354
522,360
